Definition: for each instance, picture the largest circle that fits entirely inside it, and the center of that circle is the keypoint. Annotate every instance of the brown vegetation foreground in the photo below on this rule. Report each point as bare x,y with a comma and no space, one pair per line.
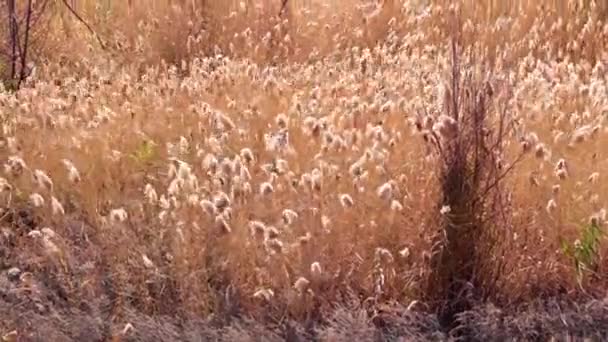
369,175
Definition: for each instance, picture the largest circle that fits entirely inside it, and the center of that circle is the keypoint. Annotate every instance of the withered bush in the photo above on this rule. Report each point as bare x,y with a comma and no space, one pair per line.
21,36
469,137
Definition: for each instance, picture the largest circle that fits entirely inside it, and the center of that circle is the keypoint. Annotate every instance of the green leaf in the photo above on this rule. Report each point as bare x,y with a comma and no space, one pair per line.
144,152
585,254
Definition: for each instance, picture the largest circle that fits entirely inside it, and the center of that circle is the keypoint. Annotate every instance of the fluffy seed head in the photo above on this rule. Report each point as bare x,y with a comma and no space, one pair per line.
265,294
147,262
594,177
304,240
384,254
175,187
164,203
289,216
128,328
541,151
245,174
34,234
281,120
404,253
346,201
551,206
356,169
275,245
526,146
183,170
396,206
559,136
266,189
36,200
222,225
581,134
15,166
316,180
385,191
281,166
73,174
446,209
48,232
532,138
272,232
43,180
118,215
306,180
594,199
258,229
56,207
562,174
150,194
325,222
602,214
5,185
301,285
227,167
192,200
208,207
595,221
50,247
210,163
446,127
315,269
221,201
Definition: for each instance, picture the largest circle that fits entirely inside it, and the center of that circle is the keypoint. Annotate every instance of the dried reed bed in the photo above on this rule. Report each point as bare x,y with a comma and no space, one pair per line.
275,175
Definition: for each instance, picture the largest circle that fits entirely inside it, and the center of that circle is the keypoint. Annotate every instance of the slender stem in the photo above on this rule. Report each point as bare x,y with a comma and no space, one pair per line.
283,7
13,34
75,14
22,74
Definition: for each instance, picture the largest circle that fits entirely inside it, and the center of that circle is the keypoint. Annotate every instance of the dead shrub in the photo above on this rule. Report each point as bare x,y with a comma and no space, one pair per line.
470,139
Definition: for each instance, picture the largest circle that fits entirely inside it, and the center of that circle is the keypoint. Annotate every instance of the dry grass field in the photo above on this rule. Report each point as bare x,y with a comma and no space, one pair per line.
336,171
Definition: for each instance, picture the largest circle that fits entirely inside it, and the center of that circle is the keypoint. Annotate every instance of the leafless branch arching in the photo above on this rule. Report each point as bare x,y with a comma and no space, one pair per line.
80,19
28,21
284,4
21,33
12,36
20,20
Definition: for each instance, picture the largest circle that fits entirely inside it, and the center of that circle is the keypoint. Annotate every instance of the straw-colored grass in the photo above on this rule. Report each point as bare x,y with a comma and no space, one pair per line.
216,160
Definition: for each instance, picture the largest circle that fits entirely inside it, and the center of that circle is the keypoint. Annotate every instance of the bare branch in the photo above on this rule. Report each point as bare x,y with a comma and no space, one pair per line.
283,7
12,36
22,73
75,14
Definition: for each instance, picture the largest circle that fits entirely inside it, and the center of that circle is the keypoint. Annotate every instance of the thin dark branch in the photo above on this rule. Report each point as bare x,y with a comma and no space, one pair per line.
75,14
500,177
22,73
12,36
283,7
38,12
455,81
